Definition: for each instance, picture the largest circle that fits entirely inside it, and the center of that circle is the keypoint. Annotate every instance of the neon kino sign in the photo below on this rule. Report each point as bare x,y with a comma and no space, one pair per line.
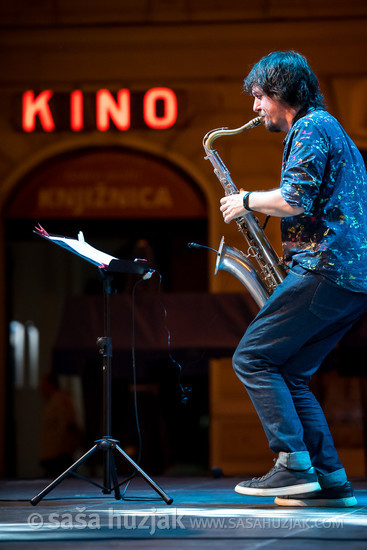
46,111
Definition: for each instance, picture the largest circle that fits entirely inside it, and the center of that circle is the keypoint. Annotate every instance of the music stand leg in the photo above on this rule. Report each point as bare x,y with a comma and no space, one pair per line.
166,498
35,500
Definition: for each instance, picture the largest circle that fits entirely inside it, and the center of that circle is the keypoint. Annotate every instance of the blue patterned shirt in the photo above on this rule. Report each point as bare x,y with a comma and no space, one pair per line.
324,172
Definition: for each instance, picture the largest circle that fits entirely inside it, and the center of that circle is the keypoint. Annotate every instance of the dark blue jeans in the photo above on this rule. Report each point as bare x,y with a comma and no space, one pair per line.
284,345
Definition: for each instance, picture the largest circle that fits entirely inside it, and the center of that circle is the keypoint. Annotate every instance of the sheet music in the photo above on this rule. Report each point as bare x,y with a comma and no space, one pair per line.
79,247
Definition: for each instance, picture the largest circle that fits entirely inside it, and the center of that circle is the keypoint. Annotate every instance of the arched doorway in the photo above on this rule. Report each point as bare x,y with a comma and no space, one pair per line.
117,197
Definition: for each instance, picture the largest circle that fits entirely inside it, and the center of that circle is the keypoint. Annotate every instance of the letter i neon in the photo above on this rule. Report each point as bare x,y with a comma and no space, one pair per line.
76,110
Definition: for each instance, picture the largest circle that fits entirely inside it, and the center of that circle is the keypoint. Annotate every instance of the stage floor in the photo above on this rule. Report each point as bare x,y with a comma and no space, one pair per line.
205,513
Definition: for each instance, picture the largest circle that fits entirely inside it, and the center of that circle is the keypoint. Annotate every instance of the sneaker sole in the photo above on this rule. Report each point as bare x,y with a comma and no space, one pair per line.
278,491
347,502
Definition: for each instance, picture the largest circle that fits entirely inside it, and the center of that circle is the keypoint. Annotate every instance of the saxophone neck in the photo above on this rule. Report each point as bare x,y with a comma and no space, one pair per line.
211,136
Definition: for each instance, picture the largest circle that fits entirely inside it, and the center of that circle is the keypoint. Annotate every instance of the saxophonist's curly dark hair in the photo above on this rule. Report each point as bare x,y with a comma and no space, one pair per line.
288,76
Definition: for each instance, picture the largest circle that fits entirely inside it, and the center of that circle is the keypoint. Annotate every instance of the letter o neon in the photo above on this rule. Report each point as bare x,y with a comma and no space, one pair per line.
150,108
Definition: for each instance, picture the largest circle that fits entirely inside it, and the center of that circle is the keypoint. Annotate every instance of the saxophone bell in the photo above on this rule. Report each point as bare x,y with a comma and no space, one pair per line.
234,261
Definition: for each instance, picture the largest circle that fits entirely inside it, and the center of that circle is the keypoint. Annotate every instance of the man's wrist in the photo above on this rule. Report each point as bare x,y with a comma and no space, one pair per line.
245,199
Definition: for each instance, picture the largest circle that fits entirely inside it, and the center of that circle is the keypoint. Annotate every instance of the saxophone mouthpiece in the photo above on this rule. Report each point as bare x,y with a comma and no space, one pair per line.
256,121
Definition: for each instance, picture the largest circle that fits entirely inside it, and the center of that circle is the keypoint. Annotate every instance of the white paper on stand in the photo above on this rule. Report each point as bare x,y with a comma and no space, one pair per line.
79,247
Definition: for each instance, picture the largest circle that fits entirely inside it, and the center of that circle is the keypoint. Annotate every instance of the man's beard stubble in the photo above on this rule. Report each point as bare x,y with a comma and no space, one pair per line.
271,126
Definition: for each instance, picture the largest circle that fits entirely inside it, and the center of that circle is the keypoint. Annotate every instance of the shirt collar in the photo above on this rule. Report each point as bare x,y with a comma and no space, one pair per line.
301,113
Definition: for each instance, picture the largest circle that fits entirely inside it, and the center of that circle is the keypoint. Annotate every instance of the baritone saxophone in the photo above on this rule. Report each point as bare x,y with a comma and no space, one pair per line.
259,281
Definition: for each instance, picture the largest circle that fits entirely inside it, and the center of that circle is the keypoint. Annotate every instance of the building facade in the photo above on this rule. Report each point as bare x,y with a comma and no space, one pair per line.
102,115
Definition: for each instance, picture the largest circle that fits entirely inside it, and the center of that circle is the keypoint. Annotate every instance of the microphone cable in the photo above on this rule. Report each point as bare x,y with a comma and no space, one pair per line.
185,390
135,397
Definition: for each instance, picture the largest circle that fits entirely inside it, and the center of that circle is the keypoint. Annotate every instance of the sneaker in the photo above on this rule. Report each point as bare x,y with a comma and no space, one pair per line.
335,497
280,481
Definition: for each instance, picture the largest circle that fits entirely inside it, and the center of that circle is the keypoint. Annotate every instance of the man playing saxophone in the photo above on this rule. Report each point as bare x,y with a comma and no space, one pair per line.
321,201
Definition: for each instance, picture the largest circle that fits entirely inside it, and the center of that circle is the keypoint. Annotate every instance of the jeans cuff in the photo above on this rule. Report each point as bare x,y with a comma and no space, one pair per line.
295,461
338,477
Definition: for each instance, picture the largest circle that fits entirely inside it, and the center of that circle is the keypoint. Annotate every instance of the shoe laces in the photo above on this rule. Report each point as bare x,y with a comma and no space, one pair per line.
270,472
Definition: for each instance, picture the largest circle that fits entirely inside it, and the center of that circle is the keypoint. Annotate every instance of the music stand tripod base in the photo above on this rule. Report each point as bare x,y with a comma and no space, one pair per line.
107,445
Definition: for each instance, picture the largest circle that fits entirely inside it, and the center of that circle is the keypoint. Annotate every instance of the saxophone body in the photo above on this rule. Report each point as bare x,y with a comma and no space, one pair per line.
259,281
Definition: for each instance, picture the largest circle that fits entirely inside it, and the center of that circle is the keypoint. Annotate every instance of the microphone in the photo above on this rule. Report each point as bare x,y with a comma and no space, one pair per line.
148,274
196,245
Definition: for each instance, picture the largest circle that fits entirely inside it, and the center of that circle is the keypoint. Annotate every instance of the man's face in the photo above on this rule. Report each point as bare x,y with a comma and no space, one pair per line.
278,115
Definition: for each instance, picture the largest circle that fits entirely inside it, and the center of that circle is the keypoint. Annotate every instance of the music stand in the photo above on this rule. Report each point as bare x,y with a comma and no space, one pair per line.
109,267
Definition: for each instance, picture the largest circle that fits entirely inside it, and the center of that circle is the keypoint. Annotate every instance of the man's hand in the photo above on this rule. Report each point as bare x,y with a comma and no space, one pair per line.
232,206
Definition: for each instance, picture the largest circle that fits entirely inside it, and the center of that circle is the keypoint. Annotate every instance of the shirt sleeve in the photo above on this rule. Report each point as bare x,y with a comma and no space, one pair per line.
304,168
